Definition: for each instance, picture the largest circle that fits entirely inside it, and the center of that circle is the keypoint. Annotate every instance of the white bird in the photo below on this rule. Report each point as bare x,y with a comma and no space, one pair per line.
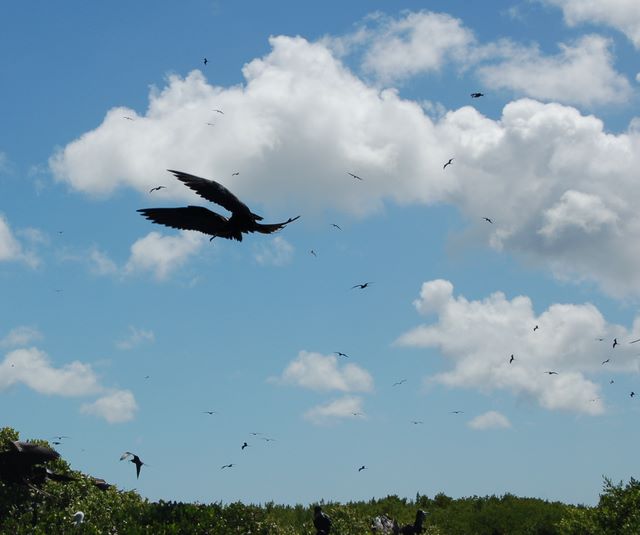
78,518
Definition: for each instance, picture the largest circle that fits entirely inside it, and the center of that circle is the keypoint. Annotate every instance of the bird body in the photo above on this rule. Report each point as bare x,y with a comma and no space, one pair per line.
363,467
477,95
355,176
448,163
198,218
511,359
340,354
488,220
361,286
321,521
134,459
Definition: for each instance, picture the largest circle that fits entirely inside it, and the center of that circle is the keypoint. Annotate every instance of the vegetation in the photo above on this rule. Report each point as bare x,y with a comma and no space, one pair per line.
50,509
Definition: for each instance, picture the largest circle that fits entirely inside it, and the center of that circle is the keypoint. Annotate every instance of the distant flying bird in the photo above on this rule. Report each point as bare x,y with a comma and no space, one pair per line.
634,341
135,460
615,342
511,359
226,466
401,381
147,377
128,118
313,253
337,226
205,61
599,339
357,414
457,412
219,111
536,328
361,286
60,437
448,163
267,439
340,354
611,381
244,445
209,412
255,434
211,124
477,95
157,188
56,442
236,173
605,361
363,467
551,373
198,218
632,394
488,220
416,422
354,176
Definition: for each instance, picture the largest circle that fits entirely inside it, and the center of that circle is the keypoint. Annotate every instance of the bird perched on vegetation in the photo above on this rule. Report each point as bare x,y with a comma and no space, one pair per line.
134,459
198,218
321,521
22,464
78,518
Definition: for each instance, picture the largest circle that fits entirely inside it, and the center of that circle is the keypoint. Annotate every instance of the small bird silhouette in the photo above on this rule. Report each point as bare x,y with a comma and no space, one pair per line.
457,412
477,95
488,220
219,111
355,176
314,253
60,437
605,361
551,373
536,328
340,354
511,359
337,226
361,286
401,381
209,412
244,445
157,188
611,381
135,460
236,173
615,342
632,394
226,466
205,61
416,422
448,163
128,118
363,467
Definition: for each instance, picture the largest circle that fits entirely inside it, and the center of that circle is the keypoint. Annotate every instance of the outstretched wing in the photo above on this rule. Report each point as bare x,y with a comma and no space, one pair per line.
188,218
273,227
125,455
215,192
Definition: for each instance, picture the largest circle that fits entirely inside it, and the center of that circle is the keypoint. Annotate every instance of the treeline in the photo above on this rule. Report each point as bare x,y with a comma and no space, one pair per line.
49,508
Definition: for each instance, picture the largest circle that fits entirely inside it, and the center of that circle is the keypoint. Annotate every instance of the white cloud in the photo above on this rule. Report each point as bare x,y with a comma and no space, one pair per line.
582,73
10,247
101,264
116,407
135,338
20,336
322,372
34,369
162,254
490,420
623,15
478,338
417,43
293,147
276,252
341,408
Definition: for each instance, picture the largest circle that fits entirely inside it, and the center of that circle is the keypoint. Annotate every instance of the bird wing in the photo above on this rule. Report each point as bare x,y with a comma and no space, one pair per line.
187,218
215,192
125,455
273,227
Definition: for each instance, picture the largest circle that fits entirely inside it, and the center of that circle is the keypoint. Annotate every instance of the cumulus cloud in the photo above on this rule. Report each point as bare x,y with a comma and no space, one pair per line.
582,73
322,372
550,161
101,263
136,337
478,337
490,420
34,369
332,411
161,254
20,336
116,407
623,15
276,252
10,247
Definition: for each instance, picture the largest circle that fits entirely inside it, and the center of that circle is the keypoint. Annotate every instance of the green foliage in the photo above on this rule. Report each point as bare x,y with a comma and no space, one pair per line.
50,510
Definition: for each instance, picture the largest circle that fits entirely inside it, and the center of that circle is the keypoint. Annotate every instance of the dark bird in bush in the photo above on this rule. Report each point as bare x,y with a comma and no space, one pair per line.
198,218
321,521
134,459
22,463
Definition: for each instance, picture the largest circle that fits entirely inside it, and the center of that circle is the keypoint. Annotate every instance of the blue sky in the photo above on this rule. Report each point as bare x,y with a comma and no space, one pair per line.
121,333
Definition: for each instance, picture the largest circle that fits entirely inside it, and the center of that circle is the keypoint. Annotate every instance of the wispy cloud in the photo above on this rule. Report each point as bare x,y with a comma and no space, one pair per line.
136,337
339,409
11,249
489,420
276,252
20,336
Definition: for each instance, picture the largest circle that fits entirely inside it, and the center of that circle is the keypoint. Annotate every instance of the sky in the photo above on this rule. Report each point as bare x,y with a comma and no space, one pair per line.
121,333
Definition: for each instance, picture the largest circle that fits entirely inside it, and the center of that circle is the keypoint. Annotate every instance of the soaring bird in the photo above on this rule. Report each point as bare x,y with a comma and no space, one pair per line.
488,220
511,359
361,286
198,218
605,361
448,163
416,422
314,253
340,354
401,381
210,412
477,95
363,467
135,460
226,466
236,173
205,61
457,412
219,111
244,445
355,176
615,342
551,373
157,188
337,226
632,394
536,328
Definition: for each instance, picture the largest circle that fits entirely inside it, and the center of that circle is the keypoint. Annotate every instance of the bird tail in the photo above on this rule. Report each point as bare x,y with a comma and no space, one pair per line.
273,227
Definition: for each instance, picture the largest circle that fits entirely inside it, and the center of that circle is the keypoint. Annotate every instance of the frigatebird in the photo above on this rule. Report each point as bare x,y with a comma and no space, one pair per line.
615,342
488,220
340,354
198,218
337,226
219,111
536,328
401,381
244,445
363,467
551,373
511,359
157,188
448,163
605,361
135,460
477,95
457,412
361,286
226,466
205,61
355,176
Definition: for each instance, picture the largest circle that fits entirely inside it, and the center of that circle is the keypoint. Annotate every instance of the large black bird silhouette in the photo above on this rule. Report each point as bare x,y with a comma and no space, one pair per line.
198,218
135,460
